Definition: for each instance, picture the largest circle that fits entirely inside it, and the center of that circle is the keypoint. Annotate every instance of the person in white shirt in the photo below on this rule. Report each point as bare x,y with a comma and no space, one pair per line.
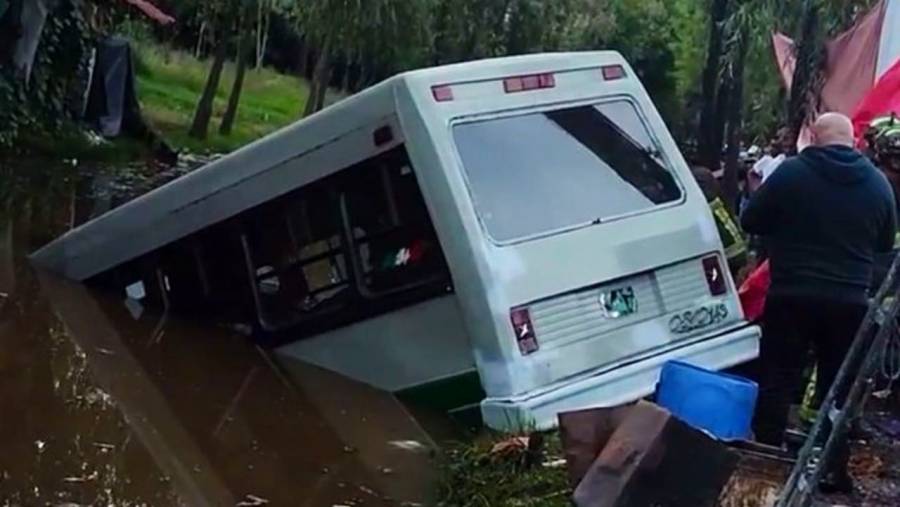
778,150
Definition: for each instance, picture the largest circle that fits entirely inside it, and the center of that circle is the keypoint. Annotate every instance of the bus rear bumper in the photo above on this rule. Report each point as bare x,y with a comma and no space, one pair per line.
537,410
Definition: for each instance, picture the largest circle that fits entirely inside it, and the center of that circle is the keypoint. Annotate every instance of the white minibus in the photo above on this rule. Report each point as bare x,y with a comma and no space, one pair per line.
526,219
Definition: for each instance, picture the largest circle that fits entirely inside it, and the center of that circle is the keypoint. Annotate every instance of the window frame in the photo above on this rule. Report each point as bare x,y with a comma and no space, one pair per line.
362,303
357,263
667,161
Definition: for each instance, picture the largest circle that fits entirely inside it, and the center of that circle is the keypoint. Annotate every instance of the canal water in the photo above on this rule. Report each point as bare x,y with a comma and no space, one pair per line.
107,404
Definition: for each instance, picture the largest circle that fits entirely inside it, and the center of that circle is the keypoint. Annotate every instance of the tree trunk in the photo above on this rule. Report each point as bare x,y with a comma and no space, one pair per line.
322,89
262,32
345,79
235,97
363,78
730,189
303,59
199,49
320,80
716,136
809,60
710,151
265,46
310,105
203,114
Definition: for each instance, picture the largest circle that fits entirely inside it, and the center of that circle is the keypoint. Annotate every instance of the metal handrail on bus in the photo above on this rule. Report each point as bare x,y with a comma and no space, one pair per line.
813,458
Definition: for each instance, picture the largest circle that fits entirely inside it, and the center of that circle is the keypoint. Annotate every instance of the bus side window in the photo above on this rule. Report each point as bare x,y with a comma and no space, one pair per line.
393,237
295,258
184,276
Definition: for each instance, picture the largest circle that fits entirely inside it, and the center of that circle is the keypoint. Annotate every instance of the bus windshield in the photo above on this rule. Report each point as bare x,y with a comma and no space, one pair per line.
546,172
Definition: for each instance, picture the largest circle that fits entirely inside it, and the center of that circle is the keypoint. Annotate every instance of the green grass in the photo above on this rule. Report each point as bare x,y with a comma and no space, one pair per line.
473,476
170,82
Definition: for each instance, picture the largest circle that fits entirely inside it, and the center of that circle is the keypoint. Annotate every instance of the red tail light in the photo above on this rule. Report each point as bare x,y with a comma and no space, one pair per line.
613,72
527,83
525,337
715,276
442,93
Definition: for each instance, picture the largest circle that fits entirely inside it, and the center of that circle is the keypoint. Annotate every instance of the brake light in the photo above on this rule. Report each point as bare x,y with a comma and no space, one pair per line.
442,93
525,337
613,72
528,83
715,277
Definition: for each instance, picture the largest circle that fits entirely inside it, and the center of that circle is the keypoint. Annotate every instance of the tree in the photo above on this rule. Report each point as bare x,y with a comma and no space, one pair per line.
234,97
807,75
735,59
219,12
320,79
264,10
711,120
380,29
203,113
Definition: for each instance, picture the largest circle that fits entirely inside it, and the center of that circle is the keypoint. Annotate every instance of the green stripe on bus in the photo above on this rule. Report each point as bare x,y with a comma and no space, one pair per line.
445,394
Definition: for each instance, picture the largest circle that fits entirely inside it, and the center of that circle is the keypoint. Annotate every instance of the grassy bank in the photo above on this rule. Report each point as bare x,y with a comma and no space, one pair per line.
170,82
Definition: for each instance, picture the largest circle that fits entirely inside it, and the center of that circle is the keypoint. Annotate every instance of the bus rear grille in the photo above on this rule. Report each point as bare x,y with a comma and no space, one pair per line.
581,315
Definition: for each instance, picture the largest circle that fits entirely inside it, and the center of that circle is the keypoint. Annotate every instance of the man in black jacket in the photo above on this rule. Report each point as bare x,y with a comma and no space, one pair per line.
824,215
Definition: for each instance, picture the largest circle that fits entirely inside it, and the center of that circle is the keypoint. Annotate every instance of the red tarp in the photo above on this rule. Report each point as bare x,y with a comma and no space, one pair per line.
753,292
883,99
785,57
851,64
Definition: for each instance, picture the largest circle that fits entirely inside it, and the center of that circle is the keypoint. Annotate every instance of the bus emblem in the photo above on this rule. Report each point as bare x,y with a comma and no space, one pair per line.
618,303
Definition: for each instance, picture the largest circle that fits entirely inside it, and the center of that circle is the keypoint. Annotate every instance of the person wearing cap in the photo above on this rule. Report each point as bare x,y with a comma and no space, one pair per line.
824,214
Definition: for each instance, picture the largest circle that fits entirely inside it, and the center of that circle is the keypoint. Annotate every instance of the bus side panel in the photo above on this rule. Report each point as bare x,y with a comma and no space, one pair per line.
394,351
430,149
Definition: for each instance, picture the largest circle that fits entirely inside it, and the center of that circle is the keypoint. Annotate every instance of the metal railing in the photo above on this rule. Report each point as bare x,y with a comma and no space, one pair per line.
847,395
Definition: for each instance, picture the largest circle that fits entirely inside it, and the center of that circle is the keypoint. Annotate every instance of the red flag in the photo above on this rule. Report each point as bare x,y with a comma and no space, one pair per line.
882,100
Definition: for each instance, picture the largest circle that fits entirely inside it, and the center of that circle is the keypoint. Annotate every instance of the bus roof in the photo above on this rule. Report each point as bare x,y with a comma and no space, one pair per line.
247,177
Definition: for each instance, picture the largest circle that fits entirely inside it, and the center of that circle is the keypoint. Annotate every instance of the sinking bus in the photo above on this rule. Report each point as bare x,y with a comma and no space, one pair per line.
526,218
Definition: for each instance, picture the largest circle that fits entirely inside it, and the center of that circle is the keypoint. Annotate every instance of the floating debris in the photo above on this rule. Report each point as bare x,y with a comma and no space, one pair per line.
85,478
368,491
104,447
252,501
409,445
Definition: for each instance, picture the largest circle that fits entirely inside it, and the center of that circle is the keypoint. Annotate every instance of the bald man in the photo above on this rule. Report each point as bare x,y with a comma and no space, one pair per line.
824,215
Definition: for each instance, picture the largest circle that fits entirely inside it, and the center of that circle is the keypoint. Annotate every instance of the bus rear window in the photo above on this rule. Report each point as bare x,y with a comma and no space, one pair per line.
546,172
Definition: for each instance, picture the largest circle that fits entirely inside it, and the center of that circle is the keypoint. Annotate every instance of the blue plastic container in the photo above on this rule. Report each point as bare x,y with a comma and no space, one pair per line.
719,403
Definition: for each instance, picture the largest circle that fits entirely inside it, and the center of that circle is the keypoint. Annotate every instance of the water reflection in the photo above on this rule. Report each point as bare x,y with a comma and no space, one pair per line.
101,407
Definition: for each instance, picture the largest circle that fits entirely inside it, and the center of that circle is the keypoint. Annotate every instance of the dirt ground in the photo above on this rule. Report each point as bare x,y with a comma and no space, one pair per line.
875,465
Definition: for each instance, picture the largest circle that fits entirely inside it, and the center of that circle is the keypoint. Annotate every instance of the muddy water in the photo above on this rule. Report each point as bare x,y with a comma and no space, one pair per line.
101,404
